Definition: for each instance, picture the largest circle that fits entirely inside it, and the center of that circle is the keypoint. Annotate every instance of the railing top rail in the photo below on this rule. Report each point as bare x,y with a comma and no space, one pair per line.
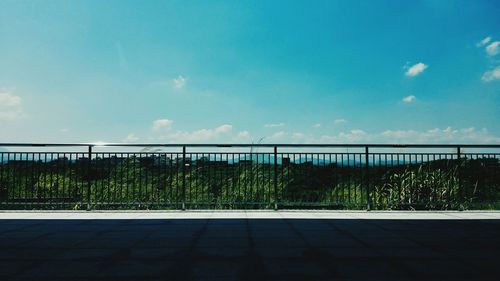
248,145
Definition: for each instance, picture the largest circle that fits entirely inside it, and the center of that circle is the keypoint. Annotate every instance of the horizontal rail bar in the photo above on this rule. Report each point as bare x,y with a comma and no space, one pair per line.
248,145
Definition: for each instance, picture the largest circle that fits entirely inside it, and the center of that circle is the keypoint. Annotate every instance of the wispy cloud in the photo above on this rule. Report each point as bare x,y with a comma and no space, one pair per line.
224,133
274,125
131,138
180,82
316,126
298,137
447,135
243,135
9,100
163,131
278,136
11,115
10,105
339,121
491,75
409,99
202,135
436,135
483,42
416,69
226,128
493,49
162,125
352,136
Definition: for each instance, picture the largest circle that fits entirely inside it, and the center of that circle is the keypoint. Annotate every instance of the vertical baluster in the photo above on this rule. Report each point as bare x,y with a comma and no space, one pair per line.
89,178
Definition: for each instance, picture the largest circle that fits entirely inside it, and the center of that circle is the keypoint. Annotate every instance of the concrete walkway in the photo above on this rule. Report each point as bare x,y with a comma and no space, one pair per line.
249,245
254,214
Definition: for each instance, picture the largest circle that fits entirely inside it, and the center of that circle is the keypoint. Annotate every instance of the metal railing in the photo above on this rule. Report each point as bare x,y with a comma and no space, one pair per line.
342,176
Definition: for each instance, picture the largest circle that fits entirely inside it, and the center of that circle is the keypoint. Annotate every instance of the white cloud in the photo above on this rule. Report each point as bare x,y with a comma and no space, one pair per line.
274,125
131,138
483,42
447,135
278,136
202,135
243,135
354,135
339,121
409,99
298,136
491,75
163,132
100,142
160,125
10,106
64,130
11,114
9,100
493,48
223,129
179,82
416,69
316,126
443,136
436,135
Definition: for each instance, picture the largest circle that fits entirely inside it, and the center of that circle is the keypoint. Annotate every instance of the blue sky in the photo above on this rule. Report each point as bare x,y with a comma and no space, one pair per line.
239,71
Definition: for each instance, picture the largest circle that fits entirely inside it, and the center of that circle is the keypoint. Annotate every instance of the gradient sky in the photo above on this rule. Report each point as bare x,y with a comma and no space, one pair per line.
239,71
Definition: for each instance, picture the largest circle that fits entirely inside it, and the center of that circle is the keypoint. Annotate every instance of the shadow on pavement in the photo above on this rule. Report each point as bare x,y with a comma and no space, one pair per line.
249,249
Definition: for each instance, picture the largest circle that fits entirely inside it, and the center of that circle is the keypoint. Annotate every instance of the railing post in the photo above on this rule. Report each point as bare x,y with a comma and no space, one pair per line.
367,179
89,178
183,177
275,178
459,166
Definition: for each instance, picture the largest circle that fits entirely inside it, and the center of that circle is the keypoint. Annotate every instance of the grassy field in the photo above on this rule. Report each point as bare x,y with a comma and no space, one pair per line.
158,183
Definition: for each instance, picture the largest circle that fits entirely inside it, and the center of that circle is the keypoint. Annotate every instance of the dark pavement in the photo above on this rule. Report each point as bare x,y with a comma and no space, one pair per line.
249,249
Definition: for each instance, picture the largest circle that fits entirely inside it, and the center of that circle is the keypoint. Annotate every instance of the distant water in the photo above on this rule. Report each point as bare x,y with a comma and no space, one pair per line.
254,158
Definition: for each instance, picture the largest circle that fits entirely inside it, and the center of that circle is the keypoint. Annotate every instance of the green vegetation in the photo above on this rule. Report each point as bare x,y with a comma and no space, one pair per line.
158,182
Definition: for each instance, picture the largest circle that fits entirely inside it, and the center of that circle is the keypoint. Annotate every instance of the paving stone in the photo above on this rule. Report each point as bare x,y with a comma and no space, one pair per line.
216,242
266,252
294,268
27,254
67,269
279,242
8,243
389,242
220,252
50,243
11,268
339,242
209,270
135,269
155,253
85,254
169,242
446,268
351,253
369,268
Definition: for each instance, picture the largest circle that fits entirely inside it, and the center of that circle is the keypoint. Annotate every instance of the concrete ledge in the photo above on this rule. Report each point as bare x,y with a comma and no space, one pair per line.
234,214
